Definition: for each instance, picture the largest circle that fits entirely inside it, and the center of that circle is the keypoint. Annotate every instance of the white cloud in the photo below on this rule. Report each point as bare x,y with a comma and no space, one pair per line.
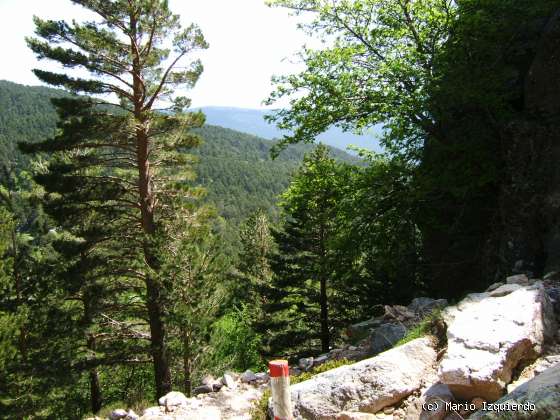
248,44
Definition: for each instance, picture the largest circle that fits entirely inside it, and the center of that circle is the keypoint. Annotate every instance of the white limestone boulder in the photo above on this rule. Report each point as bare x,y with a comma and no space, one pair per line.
367,386
173,400
489,334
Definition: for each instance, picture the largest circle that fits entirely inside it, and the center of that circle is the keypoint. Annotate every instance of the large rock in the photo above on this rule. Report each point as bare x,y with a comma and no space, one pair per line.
489,334
366,386
538,399
385,337
363,328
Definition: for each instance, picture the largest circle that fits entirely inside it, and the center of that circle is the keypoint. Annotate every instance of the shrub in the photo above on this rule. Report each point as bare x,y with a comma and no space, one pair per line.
234,344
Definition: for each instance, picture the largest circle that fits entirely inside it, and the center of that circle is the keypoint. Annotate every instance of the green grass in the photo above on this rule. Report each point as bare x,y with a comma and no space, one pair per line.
430,324
260,409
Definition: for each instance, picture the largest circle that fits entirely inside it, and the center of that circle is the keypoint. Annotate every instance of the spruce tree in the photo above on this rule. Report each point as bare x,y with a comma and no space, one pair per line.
298,297
115,156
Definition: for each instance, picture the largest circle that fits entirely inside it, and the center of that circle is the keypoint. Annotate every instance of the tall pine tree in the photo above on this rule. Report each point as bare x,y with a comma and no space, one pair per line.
116,160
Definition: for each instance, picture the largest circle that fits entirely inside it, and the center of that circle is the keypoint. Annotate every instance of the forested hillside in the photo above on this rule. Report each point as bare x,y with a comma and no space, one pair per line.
236,168
119,280
25,115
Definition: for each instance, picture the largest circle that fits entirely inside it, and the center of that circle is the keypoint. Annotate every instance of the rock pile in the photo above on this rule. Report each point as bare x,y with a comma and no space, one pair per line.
377,334
502,340
499,341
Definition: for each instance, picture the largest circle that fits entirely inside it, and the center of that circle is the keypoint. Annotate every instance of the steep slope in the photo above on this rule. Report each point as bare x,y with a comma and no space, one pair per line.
25,114
236,168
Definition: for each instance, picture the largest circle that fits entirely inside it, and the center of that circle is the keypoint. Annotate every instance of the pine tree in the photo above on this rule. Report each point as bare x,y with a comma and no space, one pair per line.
114,153
298,297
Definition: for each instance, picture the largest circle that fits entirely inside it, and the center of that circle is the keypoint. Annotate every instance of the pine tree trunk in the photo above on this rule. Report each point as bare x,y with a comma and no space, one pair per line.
160,355
187,368
96,398
95,391
325,337
154,302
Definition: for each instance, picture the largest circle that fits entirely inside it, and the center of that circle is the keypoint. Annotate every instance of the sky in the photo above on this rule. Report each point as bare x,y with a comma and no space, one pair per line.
249,43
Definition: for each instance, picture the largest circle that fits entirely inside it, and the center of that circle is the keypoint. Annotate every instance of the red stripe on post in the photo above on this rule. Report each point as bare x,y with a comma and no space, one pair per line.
280,389
278,368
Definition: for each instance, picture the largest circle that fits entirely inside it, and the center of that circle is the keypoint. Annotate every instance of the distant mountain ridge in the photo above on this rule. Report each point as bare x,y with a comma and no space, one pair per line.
252,121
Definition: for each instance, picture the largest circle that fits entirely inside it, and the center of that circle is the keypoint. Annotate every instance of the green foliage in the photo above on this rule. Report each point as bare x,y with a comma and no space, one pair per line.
375,66
298,298
234,345
259,411
329,365
195,263
378,243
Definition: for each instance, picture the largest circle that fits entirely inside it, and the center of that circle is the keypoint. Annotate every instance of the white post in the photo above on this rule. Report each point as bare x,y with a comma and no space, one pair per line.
280,387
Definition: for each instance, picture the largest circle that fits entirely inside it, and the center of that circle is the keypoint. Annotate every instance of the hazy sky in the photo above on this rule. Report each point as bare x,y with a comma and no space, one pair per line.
249,42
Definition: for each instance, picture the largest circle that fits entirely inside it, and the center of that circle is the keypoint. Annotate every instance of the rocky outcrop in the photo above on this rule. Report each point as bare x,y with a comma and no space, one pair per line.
537,399
489,334
367,386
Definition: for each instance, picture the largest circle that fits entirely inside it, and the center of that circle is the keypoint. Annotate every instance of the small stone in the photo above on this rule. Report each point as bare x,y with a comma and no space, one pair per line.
216,386
173,399
504,290
208,380
388,410
203,389
320,360
351,415
117,414
248,376
494,286
295,371
151,412
425,305
352,348
552,276
520,279
305,363
385,337
228,381
131,415
262,377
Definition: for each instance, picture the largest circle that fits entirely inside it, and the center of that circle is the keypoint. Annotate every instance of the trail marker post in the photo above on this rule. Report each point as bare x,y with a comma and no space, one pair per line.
280,388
